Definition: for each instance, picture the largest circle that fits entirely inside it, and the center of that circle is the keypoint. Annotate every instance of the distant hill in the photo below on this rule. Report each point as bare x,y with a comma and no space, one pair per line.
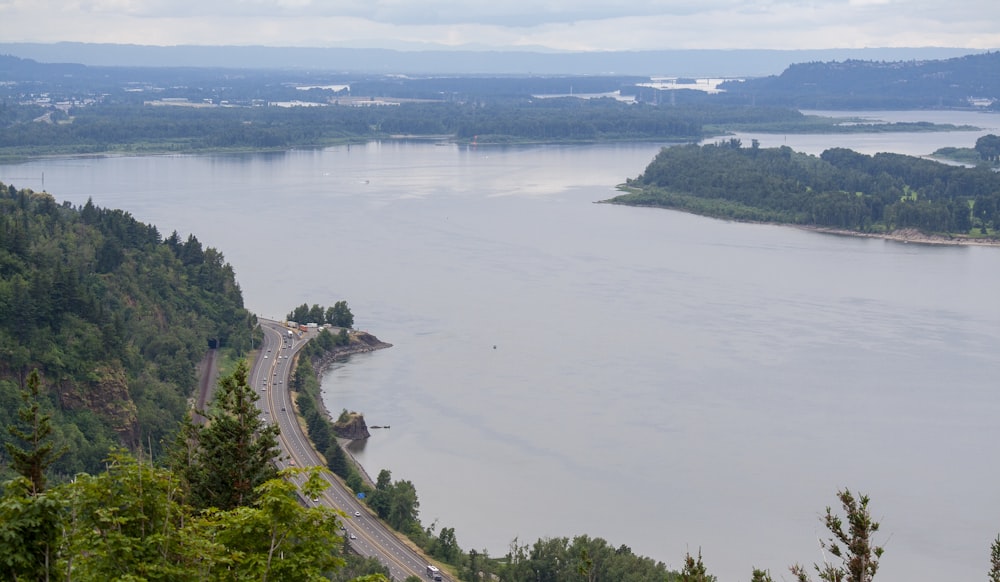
685,63
857,84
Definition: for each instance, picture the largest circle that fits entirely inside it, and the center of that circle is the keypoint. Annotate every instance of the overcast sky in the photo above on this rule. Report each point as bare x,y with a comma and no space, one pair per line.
577,25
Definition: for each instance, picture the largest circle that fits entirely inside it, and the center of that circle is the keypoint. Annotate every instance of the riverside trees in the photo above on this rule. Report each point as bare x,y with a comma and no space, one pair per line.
839,189
988,147
338,314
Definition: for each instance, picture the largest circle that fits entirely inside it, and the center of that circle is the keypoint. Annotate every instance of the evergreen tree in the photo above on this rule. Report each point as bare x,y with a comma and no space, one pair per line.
694,570
854,547
995,560
232,453
39,452
336,459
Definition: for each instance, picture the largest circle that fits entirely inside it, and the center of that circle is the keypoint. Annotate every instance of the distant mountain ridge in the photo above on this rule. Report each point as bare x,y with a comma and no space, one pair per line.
684,63
853,84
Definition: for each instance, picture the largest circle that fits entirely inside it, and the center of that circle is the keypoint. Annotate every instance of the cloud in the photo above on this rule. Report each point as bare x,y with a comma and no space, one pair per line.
554,24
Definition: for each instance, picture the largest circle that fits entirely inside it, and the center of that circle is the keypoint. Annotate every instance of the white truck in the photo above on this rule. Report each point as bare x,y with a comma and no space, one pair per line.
433,573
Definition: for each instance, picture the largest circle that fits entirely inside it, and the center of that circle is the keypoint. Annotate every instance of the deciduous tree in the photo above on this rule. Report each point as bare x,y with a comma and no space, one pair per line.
131,523
277,538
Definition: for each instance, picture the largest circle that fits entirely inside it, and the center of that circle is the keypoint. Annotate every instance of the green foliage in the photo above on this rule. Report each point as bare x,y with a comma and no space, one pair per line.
962,155
355,481
113,315
761,576
994,573
570,119
884,85
479,566
30,526
340,315
446,546
839,189
337,460
988,147
694,570
580,559
132,522
277,538
395,502
337,315
225,460
854,547
359,568
33,461
318,426
134,127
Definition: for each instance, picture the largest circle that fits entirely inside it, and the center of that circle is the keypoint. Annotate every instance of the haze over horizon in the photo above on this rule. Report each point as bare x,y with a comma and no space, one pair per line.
546,25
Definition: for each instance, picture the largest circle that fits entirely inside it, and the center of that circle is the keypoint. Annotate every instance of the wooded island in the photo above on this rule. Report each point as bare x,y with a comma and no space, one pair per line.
840,189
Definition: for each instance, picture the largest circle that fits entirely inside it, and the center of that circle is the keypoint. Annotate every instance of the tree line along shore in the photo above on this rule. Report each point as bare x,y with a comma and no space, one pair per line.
840,191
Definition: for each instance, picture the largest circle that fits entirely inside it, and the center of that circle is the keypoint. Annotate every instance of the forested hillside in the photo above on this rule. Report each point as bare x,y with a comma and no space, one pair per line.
839,189
856,84
113,315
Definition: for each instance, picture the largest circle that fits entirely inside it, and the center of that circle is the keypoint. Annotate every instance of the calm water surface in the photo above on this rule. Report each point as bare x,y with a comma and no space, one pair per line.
661,380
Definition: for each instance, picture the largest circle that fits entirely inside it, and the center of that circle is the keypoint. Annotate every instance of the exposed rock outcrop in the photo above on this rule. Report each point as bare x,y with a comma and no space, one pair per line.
106,396
353,428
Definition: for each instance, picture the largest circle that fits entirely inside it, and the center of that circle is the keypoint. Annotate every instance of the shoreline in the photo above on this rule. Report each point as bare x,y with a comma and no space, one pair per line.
367,343
904,235
322,363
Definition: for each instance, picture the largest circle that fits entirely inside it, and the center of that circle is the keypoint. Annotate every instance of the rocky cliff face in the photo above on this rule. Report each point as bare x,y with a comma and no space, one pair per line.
108,397
354,429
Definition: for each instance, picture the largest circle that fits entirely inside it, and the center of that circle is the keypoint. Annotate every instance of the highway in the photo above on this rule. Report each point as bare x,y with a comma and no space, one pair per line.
271,374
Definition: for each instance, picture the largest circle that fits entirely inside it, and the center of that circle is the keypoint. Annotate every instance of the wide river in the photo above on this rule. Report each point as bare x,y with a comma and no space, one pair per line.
661,380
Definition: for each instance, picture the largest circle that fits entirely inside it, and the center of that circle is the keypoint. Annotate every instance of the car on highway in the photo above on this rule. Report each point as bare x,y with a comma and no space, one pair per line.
354,537
357,514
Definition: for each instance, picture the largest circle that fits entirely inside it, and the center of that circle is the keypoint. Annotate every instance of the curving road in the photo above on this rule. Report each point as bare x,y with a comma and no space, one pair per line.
368,535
